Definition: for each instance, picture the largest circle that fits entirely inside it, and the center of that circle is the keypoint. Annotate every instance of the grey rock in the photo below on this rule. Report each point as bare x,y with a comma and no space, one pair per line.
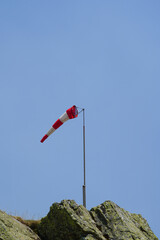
70,221
11,229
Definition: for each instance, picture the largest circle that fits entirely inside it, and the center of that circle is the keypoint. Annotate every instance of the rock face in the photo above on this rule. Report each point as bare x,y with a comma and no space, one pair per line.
69,221
116,223
11,229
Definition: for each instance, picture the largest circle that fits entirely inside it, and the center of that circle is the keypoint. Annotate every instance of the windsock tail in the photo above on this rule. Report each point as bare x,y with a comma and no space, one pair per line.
44,138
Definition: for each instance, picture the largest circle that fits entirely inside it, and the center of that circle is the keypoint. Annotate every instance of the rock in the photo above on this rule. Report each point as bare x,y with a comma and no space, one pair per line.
70,221
12,229
116,223
67,221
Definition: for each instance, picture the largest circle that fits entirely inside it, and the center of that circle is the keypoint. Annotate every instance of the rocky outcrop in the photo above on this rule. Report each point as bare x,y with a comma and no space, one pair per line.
116,223
12,229
69,221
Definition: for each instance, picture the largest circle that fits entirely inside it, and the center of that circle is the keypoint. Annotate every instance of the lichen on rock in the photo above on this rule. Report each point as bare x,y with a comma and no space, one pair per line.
117,223
12,229
70,221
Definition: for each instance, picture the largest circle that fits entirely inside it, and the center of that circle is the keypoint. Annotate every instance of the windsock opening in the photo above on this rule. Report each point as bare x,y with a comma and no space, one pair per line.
72,112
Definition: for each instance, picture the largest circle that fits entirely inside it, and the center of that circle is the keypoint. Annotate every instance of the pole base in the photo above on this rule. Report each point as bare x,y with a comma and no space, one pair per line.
84,196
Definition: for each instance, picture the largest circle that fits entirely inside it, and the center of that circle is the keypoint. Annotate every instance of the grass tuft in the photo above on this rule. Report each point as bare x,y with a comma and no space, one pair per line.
33,224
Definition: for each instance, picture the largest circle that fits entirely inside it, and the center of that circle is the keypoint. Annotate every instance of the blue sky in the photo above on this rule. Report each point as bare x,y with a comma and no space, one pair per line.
100,55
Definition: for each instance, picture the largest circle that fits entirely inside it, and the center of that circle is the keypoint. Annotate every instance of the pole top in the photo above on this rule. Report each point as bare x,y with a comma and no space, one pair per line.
81,109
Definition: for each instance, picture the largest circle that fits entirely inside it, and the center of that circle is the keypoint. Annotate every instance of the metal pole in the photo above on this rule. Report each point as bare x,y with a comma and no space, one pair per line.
84,161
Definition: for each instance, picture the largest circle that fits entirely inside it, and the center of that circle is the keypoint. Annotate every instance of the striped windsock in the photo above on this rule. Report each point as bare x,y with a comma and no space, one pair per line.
69,114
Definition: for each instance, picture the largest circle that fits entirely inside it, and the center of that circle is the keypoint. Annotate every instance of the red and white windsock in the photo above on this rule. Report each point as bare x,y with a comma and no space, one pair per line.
69,114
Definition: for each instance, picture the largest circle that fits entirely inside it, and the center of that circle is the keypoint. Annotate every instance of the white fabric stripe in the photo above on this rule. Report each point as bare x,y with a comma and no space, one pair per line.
51,130
64,117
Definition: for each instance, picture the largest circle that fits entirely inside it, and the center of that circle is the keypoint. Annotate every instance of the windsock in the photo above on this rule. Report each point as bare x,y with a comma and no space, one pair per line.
69,114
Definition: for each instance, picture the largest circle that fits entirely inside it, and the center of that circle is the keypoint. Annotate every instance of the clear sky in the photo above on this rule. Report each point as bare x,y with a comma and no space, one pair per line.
103,56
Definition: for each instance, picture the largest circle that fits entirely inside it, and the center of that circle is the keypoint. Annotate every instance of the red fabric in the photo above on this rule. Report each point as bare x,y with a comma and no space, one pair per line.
72,112
57,124
44,138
